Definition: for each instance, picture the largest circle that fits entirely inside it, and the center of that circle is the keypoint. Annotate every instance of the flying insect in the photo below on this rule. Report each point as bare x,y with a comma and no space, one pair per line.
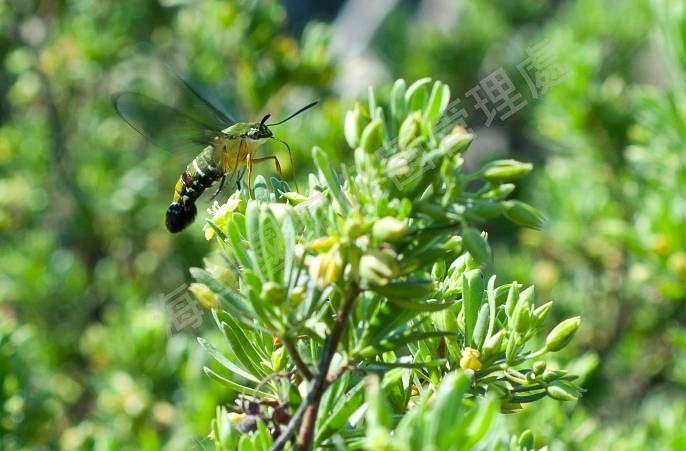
229,146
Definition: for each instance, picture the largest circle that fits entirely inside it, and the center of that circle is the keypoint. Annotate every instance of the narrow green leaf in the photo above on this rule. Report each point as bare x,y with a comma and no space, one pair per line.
288,232
237,241
395,341
335,419
406,289
445,417
472,294
330,177
481,326
243,348
421,306
385,366
226,363
238,388
271,241
482,421
438,101
416,94
398,103
491,295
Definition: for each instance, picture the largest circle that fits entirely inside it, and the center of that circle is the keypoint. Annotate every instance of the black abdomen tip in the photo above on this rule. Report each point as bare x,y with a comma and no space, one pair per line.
180,216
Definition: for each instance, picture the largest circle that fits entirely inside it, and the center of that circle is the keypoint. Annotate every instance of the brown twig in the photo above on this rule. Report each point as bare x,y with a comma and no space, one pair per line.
321,382
306,415
295,355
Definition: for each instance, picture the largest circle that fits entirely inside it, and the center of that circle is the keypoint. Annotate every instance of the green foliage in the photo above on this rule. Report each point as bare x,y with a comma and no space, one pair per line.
85,360
381,273
83,256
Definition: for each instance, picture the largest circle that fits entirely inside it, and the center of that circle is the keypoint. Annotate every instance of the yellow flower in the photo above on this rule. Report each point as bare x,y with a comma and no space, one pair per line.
470,359
221,214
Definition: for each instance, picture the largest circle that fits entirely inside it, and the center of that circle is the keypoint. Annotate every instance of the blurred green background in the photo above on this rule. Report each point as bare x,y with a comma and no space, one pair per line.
86,361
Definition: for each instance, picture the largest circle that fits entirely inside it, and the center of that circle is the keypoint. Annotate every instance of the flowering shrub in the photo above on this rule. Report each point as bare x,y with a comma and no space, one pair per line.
360,309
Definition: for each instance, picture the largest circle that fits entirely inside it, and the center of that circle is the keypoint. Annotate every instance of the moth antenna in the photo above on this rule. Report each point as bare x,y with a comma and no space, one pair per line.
306,107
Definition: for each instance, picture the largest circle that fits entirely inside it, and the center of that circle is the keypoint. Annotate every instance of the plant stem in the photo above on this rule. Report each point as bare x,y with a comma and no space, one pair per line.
306,415
295,355
321,382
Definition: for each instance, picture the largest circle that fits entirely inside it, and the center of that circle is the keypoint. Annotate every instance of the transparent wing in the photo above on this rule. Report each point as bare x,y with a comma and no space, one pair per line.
165,126
187,116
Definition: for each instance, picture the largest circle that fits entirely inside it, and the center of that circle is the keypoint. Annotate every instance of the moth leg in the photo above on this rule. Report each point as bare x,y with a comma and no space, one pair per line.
276,163
221,185
239,177
248,165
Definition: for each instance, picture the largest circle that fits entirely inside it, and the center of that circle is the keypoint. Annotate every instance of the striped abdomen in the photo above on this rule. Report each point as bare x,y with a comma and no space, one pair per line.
199,175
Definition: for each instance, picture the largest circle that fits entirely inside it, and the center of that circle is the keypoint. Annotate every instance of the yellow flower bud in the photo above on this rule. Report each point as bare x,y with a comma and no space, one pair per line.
325,268
470,359
204,295
235,417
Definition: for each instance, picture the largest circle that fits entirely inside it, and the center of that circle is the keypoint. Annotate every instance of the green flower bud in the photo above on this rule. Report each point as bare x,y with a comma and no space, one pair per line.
523,214
356,227
512,298
501,294
399,165
502,171
513,344
551,375
500,192
562,334
527,296
378,268
476,245
409,129
372,137
493,344
456,142
272,293
389,229
562,391
521,317
486,209
539,367
352,128
541,313
294,198
279,359
204,295
438,270
454,244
